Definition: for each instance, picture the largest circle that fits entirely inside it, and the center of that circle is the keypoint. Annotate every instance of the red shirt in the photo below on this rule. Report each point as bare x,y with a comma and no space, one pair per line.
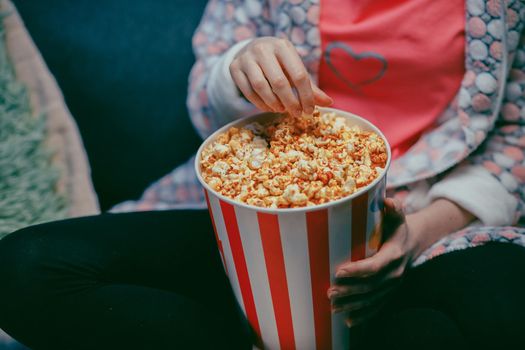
397,63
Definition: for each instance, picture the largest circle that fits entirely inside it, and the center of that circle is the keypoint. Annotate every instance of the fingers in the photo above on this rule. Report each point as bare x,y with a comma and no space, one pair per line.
320,97
298,76
393,218
358,287
260,84
359,302
393,252
280,84
360,308
393,207
355,287
360,316
271,74
361,286
388,254
244,85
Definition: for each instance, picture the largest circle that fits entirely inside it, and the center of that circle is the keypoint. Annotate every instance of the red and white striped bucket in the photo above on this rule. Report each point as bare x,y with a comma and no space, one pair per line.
281,262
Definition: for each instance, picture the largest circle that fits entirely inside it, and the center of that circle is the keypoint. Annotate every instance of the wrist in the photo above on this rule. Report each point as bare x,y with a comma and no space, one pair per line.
417,226
434,222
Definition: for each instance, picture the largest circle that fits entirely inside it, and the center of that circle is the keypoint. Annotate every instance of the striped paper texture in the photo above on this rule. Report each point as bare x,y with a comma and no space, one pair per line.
281,265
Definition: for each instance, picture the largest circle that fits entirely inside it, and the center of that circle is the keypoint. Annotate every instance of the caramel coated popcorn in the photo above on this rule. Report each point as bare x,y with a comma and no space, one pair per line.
293,162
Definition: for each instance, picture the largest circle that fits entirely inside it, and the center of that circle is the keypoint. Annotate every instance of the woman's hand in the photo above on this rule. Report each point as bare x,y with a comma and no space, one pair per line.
362,285
271,75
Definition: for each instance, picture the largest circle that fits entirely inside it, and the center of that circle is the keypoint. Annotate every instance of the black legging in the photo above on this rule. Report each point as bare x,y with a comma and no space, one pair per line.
155,281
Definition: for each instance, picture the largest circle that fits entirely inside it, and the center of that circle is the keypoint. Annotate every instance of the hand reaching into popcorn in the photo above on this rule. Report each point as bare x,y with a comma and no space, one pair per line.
271,75
361,286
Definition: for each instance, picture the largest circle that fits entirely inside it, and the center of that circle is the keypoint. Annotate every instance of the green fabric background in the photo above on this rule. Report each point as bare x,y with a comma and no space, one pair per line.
27,179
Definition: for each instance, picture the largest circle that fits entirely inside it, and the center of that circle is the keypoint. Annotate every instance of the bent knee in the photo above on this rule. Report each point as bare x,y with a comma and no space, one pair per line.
23,257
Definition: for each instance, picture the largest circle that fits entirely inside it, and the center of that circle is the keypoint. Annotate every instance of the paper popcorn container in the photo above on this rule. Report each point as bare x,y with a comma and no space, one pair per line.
281,262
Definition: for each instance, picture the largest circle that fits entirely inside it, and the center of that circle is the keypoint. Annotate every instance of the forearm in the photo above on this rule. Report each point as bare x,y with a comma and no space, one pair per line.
439,219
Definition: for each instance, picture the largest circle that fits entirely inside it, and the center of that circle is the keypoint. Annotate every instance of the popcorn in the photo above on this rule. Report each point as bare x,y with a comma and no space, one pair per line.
220,150
293,195
215,183
293,162
220,168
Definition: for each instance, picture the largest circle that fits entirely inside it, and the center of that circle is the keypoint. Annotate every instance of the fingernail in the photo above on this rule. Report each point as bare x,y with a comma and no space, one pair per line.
339,273
332,294
336,309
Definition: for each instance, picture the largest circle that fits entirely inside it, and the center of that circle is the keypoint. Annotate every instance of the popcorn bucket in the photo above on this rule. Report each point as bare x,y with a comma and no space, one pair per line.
281,262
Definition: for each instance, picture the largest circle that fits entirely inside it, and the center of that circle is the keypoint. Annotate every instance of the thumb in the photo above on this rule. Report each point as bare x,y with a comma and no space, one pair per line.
393,216
321,98
393,207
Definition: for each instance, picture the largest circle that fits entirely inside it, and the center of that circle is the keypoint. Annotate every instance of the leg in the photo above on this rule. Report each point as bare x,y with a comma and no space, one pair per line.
127,281
413,328
473,296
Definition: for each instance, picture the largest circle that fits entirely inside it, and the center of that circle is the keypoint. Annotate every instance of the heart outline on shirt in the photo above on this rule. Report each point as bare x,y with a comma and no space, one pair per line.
357,57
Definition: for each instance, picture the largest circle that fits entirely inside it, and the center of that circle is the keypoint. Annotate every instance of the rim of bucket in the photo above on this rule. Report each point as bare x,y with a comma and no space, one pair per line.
268,116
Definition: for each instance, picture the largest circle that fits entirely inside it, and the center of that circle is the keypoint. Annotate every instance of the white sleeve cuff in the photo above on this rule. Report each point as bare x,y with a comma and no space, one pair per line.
473,188
222,92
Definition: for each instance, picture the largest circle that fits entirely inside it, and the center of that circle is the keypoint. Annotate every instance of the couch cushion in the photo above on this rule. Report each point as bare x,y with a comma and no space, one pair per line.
47,116
122,67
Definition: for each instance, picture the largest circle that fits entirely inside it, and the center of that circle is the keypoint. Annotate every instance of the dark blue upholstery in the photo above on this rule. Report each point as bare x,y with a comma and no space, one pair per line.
123,67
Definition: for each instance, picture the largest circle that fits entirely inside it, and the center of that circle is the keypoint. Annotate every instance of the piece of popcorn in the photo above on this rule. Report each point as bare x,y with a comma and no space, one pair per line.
220,150
220,168
293,195
259,142
246,135
223,138
271,201
291,156
273,188
364,175
307,170
254,163
258,202
261,191
339,123
215,183
235,145
350,186
313,188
